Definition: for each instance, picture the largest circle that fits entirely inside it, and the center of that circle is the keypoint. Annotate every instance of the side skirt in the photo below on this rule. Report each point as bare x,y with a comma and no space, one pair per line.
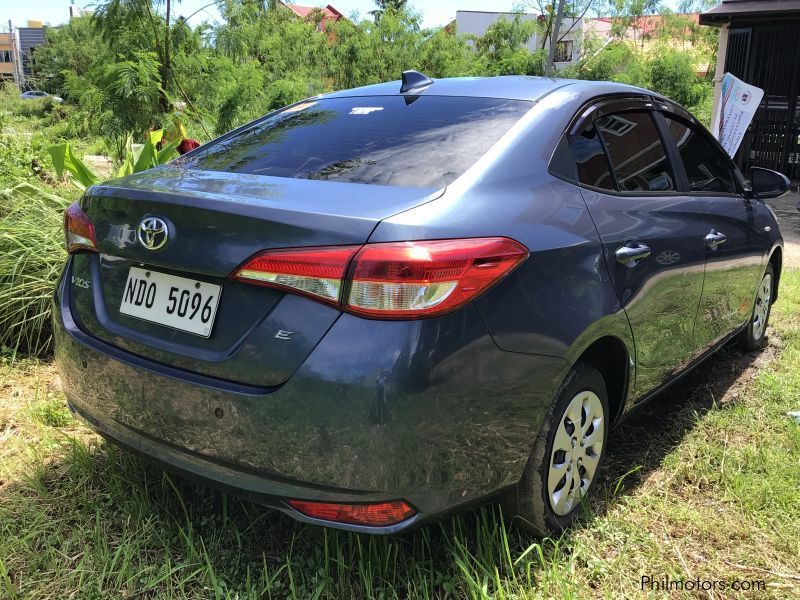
675,378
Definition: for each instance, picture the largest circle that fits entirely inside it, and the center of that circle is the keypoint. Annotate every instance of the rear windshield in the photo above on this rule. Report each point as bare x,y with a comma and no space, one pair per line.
416,141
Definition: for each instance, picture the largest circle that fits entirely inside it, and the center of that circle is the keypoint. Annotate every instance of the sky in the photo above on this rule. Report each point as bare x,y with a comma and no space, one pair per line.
54,12
435,12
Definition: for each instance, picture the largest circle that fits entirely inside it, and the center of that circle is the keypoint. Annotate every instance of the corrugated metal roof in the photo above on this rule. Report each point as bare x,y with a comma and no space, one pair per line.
752,8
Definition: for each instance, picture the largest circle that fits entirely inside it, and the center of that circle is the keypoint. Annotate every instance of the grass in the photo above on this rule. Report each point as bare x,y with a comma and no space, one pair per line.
32,202
702,484
32,255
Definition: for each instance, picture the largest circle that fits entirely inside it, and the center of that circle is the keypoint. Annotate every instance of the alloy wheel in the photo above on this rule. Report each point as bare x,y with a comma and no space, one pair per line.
577,447
761,311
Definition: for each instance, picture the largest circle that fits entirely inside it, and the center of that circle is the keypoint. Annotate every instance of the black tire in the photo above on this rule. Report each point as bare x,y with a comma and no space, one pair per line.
753,337
529,505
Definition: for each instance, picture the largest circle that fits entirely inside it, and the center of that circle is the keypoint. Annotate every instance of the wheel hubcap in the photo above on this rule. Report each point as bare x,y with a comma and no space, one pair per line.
577,448
761,310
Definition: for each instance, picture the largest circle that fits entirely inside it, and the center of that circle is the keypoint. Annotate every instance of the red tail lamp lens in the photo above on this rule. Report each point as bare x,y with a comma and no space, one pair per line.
376,515
397,280
315,272
78,230
421,279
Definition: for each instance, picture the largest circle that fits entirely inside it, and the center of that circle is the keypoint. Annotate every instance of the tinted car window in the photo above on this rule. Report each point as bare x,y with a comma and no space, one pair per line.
707,167
591,160
636,152
424,141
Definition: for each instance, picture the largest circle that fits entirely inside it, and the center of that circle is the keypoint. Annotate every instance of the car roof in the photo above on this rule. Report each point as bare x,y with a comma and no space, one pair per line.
510,87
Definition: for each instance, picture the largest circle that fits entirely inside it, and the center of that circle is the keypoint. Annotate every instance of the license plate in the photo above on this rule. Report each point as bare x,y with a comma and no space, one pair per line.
176,302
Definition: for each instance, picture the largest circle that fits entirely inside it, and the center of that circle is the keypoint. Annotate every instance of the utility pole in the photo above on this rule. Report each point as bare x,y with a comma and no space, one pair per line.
14,55
549,67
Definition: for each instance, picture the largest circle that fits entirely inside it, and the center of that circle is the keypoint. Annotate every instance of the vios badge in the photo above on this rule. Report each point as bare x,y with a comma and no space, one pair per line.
153,233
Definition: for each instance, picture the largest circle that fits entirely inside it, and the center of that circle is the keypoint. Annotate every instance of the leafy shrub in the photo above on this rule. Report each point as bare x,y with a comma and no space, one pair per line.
31,257
51,412
673,74
18,154
138,157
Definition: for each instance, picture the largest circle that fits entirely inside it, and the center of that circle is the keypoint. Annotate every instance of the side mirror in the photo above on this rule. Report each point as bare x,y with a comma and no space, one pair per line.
767,183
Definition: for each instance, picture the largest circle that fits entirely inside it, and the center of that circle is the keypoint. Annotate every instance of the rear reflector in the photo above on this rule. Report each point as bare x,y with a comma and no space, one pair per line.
78,230
375,515
396,280
315,272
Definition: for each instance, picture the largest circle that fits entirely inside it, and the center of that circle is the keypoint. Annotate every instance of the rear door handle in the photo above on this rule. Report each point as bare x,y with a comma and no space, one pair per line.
715,238
631,253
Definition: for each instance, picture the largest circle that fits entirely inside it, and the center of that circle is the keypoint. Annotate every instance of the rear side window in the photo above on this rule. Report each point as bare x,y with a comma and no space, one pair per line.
591,159
416,141
707,167
637,155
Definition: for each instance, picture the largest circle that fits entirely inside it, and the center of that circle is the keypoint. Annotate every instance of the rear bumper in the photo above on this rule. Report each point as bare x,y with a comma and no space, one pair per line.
430,411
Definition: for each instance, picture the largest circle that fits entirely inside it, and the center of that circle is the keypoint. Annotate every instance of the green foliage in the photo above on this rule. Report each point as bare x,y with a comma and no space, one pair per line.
73,48
31,257
51,412
64,159
446,55
502,49
124,69
665,70
138,157
119,75
672,73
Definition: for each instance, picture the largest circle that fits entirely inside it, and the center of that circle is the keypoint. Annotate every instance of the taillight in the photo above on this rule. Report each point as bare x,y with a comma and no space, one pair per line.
315,272
380,514
78,230
421,279
396,280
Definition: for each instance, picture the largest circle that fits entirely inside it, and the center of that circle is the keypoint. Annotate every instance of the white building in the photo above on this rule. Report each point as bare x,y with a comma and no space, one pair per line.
476,22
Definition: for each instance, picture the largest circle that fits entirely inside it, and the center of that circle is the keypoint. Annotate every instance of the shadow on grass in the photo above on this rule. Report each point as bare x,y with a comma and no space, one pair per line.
651,431
102,519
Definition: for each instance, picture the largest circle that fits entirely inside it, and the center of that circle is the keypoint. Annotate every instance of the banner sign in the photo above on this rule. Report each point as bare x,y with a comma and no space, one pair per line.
737,106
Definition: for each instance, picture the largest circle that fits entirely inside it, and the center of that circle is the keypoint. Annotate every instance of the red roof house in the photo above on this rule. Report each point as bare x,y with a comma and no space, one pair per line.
329,14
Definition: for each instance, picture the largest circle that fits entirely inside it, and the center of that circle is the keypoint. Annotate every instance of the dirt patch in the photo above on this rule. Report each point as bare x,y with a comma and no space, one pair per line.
101,165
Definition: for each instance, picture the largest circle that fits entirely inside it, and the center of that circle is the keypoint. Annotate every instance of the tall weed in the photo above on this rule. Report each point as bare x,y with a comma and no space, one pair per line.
31,256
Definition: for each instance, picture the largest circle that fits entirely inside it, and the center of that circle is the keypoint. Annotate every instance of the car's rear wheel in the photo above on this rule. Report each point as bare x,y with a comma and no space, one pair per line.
755,333
566,456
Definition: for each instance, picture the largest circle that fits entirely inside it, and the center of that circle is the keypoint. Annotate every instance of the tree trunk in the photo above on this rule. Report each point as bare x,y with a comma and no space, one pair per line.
546,35
549,67
165,77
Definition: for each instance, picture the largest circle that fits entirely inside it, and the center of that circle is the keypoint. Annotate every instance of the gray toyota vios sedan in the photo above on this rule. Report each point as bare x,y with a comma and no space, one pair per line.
378,306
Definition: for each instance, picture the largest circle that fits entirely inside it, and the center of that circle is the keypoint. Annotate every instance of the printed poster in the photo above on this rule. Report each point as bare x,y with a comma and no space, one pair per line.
738,104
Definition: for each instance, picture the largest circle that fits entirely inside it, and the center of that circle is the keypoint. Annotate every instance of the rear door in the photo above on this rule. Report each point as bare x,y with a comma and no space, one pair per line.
651,233
734,242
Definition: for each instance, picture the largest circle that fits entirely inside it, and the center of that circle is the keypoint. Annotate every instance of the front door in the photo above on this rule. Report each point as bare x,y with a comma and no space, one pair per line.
652,237
735,239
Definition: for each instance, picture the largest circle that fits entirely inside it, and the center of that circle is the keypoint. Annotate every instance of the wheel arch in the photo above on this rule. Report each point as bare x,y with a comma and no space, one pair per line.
610,356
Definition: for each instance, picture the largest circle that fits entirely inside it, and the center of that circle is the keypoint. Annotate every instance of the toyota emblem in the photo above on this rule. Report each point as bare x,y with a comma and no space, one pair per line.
153,233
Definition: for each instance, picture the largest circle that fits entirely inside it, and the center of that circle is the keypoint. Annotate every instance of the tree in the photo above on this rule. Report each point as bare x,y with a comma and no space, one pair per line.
502,49
150,28
575,10
627,14
387,5
548,66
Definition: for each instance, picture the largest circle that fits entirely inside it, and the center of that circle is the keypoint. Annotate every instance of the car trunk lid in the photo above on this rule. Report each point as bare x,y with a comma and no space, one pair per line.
215,222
